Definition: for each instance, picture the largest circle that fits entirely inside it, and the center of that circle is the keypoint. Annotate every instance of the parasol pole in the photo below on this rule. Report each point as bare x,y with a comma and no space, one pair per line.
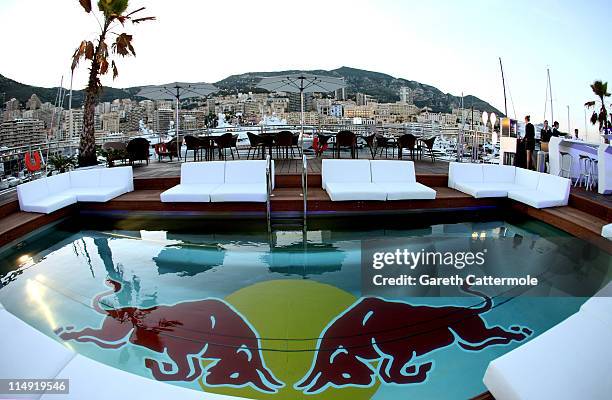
302,114
176,126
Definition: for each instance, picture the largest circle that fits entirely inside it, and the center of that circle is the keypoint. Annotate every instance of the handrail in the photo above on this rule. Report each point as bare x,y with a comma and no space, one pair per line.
305,188
268,192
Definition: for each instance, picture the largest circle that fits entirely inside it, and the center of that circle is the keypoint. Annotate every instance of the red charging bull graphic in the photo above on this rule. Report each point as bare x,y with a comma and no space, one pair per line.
187,332
397,335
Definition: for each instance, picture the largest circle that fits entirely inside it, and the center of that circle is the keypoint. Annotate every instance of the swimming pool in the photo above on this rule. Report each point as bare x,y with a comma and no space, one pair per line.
226,308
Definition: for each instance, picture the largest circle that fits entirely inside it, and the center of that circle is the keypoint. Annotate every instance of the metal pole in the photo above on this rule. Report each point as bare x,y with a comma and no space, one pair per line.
504,84
268,194
305,187
569,128
302,114
176,127
552,115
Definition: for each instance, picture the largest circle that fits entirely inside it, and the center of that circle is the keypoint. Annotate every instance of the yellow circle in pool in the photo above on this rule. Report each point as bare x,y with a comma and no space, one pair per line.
290,309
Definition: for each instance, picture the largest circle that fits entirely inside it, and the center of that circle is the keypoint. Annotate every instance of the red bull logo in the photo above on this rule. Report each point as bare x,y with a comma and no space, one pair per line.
368,344
187,332
397,336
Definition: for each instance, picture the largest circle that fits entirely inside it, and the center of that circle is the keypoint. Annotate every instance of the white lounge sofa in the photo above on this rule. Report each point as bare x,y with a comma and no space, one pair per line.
398,180
606,231
49,194
245,181
221,181
198,181
570,361
536,189
30,354
345,180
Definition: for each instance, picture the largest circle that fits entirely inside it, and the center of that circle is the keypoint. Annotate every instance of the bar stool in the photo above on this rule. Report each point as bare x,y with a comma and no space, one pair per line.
594,173
585,165
566,170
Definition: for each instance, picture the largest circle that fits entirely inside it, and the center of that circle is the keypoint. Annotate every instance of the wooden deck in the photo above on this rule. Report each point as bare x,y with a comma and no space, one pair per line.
166,168
586,214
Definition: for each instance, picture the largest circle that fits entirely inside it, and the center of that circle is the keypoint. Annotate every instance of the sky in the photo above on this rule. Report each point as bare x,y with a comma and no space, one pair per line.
452,45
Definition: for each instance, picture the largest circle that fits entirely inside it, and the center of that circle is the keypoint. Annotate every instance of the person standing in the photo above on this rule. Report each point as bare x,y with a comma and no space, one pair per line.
545,135
555,131
529,141
576,137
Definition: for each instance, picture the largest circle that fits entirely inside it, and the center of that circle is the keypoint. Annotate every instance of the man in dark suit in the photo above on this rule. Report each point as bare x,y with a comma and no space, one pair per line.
529,141
555,131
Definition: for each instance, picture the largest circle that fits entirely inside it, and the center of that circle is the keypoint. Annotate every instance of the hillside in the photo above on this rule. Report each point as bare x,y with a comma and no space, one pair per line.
384,88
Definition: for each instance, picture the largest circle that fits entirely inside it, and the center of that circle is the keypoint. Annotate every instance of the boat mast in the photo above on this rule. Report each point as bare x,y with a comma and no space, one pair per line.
504,85
552,115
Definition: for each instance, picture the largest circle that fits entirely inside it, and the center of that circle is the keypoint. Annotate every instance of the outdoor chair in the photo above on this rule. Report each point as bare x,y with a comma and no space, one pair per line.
296,143
428,144
370,142
322,143
283,142
234,145
384,144
165,150
256,143
346,139
225,142
207,145
194,144
407,141
116,151
138,150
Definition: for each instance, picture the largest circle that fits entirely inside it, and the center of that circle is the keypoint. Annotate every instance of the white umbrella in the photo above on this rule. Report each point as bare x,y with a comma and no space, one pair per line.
301,83
177,91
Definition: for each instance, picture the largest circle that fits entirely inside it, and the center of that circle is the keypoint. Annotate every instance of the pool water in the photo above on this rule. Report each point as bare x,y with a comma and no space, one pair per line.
229,309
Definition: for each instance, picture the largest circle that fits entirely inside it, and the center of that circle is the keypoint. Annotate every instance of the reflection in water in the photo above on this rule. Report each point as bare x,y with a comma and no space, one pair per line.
188,260
297,259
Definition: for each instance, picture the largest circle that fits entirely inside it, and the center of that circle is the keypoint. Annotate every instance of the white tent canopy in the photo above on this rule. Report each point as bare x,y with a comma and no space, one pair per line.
301,83
177,91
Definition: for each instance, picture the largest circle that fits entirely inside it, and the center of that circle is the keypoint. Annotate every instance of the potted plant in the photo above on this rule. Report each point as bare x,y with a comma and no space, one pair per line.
62,163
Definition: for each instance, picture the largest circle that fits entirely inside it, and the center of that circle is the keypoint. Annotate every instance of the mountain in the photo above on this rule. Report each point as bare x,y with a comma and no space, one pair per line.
22,92
384,88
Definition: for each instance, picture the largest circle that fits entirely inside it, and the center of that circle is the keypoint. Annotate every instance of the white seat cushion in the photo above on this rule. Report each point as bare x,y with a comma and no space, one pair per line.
189,193
407,191
249,171
85,178
486,189
606,231
392,171
571,361
555,186
58,184
117,177
345,171
92,380
98,194
28,353
50,203
241,192
537,199
30,192
463,172
355,191
526,178
210,172
497,173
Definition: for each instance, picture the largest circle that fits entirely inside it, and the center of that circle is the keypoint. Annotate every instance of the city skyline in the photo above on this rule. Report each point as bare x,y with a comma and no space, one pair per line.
469,37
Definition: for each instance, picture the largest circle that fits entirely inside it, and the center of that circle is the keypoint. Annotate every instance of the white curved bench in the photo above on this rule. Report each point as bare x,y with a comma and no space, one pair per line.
539,190
100,185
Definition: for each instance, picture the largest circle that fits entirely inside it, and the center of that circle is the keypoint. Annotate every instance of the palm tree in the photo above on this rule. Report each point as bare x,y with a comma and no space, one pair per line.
600,89
114,12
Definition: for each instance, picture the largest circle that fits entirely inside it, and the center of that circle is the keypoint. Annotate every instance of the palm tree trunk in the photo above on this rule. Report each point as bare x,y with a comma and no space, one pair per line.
87,144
